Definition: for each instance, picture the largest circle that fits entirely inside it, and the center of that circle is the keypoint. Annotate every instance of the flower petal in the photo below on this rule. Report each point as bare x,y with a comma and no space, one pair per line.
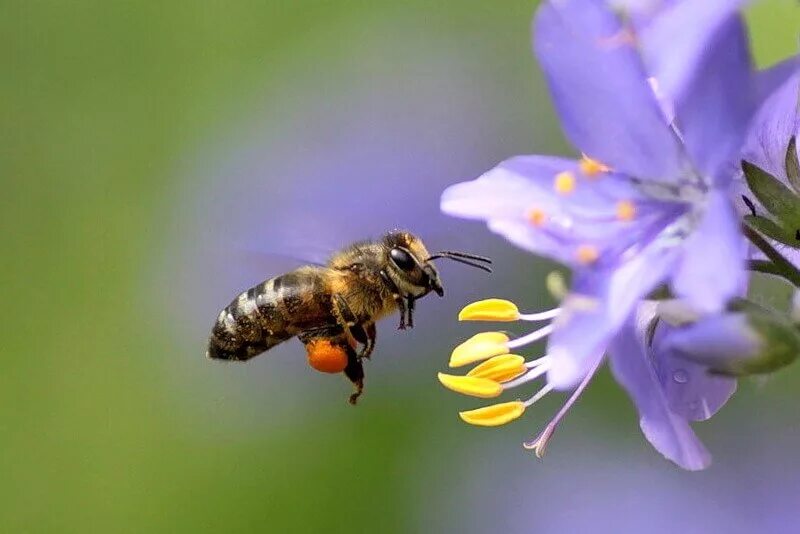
706,74
547,205
692,392
711,270
597,308
776,121
668,432
600,90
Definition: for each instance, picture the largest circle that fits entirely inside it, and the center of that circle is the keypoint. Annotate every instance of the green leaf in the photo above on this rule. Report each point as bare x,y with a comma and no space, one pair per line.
777,199
772,230
793,165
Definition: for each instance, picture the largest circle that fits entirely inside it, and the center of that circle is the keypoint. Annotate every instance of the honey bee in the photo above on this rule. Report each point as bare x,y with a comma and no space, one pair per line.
333,308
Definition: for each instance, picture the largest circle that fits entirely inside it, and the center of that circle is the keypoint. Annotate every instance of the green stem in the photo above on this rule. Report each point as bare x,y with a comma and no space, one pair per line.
781,266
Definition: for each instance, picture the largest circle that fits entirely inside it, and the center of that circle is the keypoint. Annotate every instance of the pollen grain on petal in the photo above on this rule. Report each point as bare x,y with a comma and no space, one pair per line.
471,385
500,368
587,254
479,347
564,183
489,310
626,210
591,167
536,217
494,415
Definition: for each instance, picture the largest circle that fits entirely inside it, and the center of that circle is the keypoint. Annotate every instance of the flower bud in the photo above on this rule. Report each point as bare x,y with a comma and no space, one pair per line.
747,342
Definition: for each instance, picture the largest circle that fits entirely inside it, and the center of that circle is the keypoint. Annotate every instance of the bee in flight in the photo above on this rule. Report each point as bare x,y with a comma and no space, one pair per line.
333,308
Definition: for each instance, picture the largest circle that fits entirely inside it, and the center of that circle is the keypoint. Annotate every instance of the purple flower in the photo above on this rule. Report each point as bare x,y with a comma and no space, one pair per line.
660,122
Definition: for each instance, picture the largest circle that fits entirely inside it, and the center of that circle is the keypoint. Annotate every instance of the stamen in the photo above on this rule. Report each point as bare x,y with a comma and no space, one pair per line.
547,388
531,375
591,167
479,347
536,217
494,415
530,338
489,310
471,385
500,368
537,362
564,183
540,316
539,444
587,254
626,210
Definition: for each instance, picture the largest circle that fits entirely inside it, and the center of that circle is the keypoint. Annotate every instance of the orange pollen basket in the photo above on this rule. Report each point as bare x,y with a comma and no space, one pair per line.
326,357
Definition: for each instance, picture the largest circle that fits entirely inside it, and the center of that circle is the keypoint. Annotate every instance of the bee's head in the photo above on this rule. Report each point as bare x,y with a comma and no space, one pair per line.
411,268
409,265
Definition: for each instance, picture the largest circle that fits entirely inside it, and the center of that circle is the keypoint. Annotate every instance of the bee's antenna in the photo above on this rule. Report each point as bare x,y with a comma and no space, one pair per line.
457,254
462,257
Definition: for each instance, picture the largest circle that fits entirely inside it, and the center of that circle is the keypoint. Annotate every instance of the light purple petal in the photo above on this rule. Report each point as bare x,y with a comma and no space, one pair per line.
600,90
507,195
711,270
597,307
668,432
692,392
777,120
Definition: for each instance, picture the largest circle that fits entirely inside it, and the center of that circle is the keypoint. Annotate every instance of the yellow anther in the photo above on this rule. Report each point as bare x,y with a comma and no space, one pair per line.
489,310
591,167
626,210
587,254
479,347
536,217
494,415
564,183
500,368
471,385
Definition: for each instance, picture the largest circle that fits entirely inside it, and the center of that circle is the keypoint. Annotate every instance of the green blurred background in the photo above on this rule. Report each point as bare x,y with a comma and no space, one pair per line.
115,116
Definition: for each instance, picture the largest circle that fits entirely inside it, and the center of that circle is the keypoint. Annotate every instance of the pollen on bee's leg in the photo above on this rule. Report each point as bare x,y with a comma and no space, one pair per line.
489,310
325,356
591,167
494,415
564,183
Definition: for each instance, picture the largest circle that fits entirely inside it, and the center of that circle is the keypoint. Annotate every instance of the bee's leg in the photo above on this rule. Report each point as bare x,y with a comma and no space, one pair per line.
410,313
366,336
398,298
355,372
345,317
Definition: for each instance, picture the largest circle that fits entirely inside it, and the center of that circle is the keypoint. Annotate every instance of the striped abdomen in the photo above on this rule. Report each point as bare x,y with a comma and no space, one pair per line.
270,313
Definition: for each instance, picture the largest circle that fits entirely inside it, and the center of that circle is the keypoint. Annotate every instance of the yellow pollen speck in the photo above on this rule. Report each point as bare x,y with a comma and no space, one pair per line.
500,368
489,310
479,347
495,415
626,210
536,217
471,385
564,183
587,254
591,167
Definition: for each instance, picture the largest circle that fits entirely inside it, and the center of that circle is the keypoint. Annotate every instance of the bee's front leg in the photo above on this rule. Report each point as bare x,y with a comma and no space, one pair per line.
410,312
401,304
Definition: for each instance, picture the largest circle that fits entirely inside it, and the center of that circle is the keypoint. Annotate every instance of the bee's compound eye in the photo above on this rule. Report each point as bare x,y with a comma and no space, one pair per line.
326,357
402,259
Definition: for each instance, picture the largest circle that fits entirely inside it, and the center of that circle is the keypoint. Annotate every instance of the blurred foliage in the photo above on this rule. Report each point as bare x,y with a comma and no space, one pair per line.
101,103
